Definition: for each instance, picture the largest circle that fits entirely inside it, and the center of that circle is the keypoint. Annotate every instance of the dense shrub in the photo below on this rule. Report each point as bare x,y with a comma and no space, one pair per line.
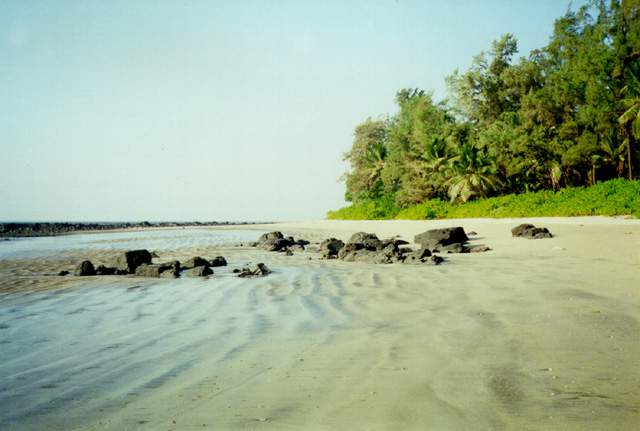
614,197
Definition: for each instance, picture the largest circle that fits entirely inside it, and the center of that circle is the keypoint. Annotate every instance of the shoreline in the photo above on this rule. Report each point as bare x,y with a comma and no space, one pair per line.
75,228
531,328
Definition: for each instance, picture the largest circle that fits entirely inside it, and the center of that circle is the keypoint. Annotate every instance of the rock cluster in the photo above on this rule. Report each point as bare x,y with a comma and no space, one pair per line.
139,263
276,241
367,247
529,231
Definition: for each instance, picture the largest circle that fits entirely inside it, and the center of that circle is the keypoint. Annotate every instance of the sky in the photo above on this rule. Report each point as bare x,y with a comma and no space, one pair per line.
217,110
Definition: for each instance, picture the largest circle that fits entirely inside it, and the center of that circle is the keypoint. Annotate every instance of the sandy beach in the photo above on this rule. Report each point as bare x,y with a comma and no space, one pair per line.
533,335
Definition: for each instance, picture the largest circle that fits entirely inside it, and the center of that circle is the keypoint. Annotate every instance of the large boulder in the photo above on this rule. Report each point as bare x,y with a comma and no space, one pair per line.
218,261
270,236
330,247
85,268
443,239
132,259
199,271
527,230
369,241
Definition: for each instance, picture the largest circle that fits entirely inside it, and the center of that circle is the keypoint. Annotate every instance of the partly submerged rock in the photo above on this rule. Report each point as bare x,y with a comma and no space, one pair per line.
130,260
199,271
164,270
270,236
85,268
63,273
195,261
218,261
260,270
480,249
105,270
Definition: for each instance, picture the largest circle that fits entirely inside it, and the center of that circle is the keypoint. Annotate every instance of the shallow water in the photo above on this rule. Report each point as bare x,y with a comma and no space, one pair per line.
161,239
492,342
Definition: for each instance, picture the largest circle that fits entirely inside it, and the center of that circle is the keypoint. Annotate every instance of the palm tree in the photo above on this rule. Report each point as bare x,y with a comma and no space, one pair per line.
630,118
375,160
613,155
472,173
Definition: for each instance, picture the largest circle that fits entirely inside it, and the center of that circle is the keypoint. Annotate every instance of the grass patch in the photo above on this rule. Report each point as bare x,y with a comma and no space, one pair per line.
609,198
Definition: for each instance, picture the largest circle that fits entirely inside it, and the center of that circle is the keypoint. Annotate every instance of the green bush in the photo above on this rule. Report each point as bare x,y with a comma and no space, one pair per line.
614,197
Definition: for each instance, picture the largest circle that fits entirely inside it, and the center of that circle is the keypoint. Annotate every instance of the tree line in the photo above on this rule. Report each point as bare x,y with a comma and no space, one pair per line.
566,115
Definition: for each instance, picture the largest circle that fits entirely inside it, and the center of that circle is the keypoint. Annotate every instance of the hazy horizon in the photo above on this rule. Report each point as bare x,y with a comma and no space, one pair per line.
216,111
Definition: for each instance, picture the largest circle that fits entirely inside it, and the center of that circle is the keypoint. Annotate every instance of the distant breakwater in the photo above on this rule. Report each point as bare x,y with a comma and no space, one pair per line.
17,229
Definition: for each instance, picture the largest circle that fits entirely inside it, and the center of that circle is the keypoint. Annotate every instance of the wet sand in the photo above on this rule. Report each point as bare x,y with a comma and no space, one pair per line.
534,335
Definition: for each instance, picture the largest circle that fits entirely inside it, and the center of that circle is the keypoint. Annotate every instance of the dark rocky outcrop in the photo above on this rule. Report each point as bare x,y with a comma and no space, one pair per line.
276,241
260,270
63,273
330,247
369,241
85,268
132,259
443,239
218,261
527,230
199,271
12,230
368,248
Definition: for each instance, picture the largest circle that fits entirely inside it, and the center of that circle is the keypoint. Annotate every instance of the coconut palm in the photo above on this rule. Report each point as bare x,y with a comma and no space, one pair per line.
613,155
375,160
630,118
471,173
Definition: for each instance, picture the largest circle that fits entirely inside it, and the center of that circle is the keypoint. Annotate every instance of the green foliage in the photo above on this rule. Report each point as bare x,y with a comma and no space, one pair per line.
370,209
609,198
567,115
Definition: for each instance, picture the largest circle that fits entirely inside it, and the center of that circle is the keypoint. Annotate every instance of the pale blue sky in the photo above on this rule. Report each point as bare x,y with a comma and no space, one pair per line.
213,110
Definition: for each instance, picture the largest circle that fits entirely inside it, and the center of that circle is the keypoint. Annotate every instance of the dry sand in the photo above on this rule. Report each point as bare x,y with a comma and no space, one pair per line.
534,335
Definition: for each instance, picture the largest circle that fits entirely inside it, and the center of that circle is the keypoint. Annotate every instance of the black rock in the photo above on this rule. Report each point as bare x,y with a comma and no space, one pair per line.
369,241
132,259
438,238
218,261
63,273
105,270
418,256
85,268
527,230
260,270
270,236
331,247
164,270
196,261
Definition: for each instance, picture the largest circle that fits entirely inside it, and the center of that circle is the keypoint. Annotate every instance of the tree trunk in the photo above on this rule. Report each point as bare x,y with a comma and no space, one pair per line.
629,141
